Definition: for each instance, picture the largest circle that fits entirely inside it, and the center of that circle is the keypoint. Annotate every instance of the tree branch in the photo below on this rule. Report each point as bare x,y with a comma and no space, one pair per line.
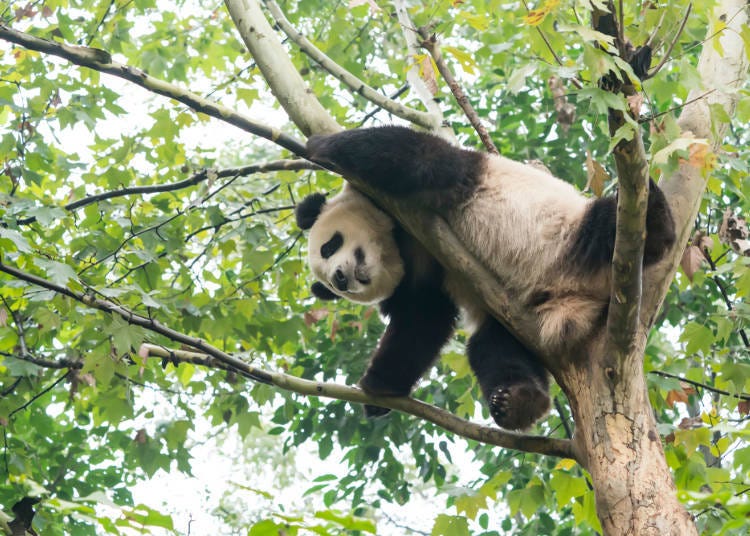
438,416
283,79
433,232
100,60
632,172
429,42
196,178
741,396
211,356
423,119
722,73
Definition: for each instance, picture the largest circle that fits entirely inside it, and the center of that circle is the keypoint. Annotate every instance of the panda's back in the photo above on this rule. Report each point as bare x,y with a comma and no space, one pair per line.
519,220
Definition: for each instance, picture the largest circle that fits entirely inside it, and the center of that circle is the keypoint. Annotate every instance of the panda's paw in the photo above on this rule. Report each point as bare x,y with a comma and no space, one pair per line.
373,412
519,405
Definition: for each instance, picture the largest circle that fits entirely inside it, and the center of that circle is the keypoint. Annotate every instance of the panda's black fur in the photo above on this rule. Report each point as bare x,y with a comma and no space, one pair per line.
545,241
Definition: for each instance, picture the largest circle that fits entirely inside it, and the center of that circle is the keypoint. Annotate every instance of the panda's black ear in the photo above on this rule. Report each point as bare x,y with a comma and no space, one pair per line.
321,292
308,210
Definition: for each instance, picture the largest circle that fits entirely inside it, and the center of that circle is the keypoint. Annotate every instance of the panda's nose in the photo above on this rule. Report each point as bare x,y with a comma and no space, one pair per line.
339,280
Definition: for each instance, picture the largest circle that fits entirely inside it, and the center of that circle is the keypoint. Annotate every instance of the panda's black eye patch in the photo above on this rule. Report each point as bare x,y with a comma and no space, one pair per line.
332,246
359,255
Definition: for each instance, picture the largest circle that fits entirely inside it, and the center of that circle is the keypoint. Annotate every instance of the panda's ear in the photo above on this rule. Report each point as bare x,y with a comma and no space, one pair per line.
321,292
308,210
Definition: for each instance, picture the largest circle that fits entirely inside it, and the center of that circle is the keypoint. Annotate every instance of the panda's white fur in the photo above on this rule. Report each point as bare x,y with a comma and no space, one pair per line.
364,226
520,222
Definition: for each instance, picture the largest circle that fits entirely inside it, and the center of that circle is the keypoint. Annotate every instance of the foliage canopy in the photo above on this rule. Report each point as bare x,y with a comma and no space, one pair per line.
85,416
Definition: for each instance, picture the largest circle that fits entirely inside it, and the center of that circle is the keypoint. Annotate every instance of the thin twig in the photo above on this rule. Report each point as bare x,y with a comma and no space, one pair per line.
38,395
675,108
725,295
668,53
694,383
563,418
400,91
429,42
197,178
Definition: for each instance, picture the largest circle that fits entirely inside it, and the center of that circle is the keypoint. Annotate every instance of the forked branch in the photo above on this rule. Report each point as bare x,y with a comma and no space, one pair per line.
212,357
358,86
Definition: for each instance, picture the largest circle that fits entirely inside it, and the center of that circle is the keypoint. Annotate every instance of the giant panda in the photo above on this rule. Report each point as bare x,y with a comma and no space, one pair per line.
552,246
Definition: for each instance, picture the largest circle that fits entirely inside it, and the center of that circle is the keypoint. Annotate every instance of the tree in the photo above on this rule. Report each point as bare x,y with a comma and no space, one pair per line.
137,259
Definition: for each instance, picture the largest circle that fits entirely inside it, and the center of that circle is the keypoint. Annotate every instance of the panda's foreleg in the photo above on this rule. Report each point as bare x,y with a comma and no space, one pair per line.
421,322
512,379
402,162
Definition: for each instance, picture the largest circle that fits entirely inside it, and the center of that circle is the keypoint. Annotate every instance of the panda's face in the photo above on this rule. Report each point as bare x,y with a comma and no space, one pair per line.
353,253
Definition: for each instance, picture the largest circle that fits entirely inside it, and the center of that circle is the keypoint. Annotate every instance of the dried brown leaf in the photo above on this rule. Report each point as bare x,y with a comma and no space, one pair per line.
676,395
427,73
597,175
692,258
566,112
634,103
314,316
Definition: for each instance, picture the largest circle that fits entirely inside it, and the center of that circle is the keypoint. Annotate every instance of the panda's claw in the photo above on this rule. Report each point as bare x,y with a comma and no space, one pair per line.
517,406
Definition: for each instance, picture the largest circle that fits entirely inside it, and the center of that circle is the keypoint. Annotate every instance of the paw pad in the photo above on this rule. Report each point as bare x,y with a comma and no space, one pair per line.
518,406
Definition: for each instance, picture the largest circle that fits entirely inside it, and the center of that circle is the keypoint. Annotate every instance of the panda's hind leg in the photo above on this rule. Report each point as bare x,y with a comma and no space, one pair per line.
513,381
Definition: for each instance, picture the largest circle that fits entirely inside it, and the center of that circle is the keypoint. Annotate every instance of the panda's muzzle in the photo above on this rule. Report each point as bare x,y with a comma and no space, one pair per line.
341,281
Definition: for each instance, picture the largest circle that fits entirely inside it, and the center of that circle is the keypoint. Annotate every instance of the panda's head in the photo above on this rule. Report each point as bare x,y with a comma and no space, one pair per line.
352,250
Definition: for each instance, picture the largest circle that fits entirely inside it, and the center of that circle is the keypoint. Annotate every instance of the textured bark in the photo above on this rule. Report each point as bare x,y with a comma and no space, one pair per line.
617,442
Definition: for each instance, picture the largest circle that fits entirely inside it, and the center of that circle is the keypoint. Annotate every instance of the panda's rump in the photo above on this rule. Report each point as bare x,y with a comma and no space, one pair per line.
520,223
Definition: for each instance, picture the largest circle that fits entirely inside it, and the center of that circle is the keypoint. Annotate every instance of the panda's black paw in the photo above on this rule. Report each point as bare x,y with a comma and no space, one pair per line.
373,412
519,405
372,384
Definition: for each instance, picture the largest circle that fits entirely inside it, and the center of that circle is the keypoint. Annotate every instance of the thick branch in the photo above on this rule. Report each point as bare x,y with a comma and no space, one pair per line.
211,356
100,60
722,74
440,417
627,260
273,61
632,200
429,42
196,178
423,119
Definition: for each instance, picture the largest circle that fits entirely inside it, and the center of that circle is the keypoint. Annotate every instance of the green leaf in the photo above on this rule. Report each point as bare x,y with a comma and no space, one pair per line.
10,240
567,487
446,525
526,500
698,338
691,439
58,273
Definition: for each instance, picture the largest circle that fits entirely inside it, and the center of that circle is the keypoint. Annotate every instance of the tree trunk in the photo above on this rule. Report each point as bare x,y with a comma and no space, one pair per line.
617,442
